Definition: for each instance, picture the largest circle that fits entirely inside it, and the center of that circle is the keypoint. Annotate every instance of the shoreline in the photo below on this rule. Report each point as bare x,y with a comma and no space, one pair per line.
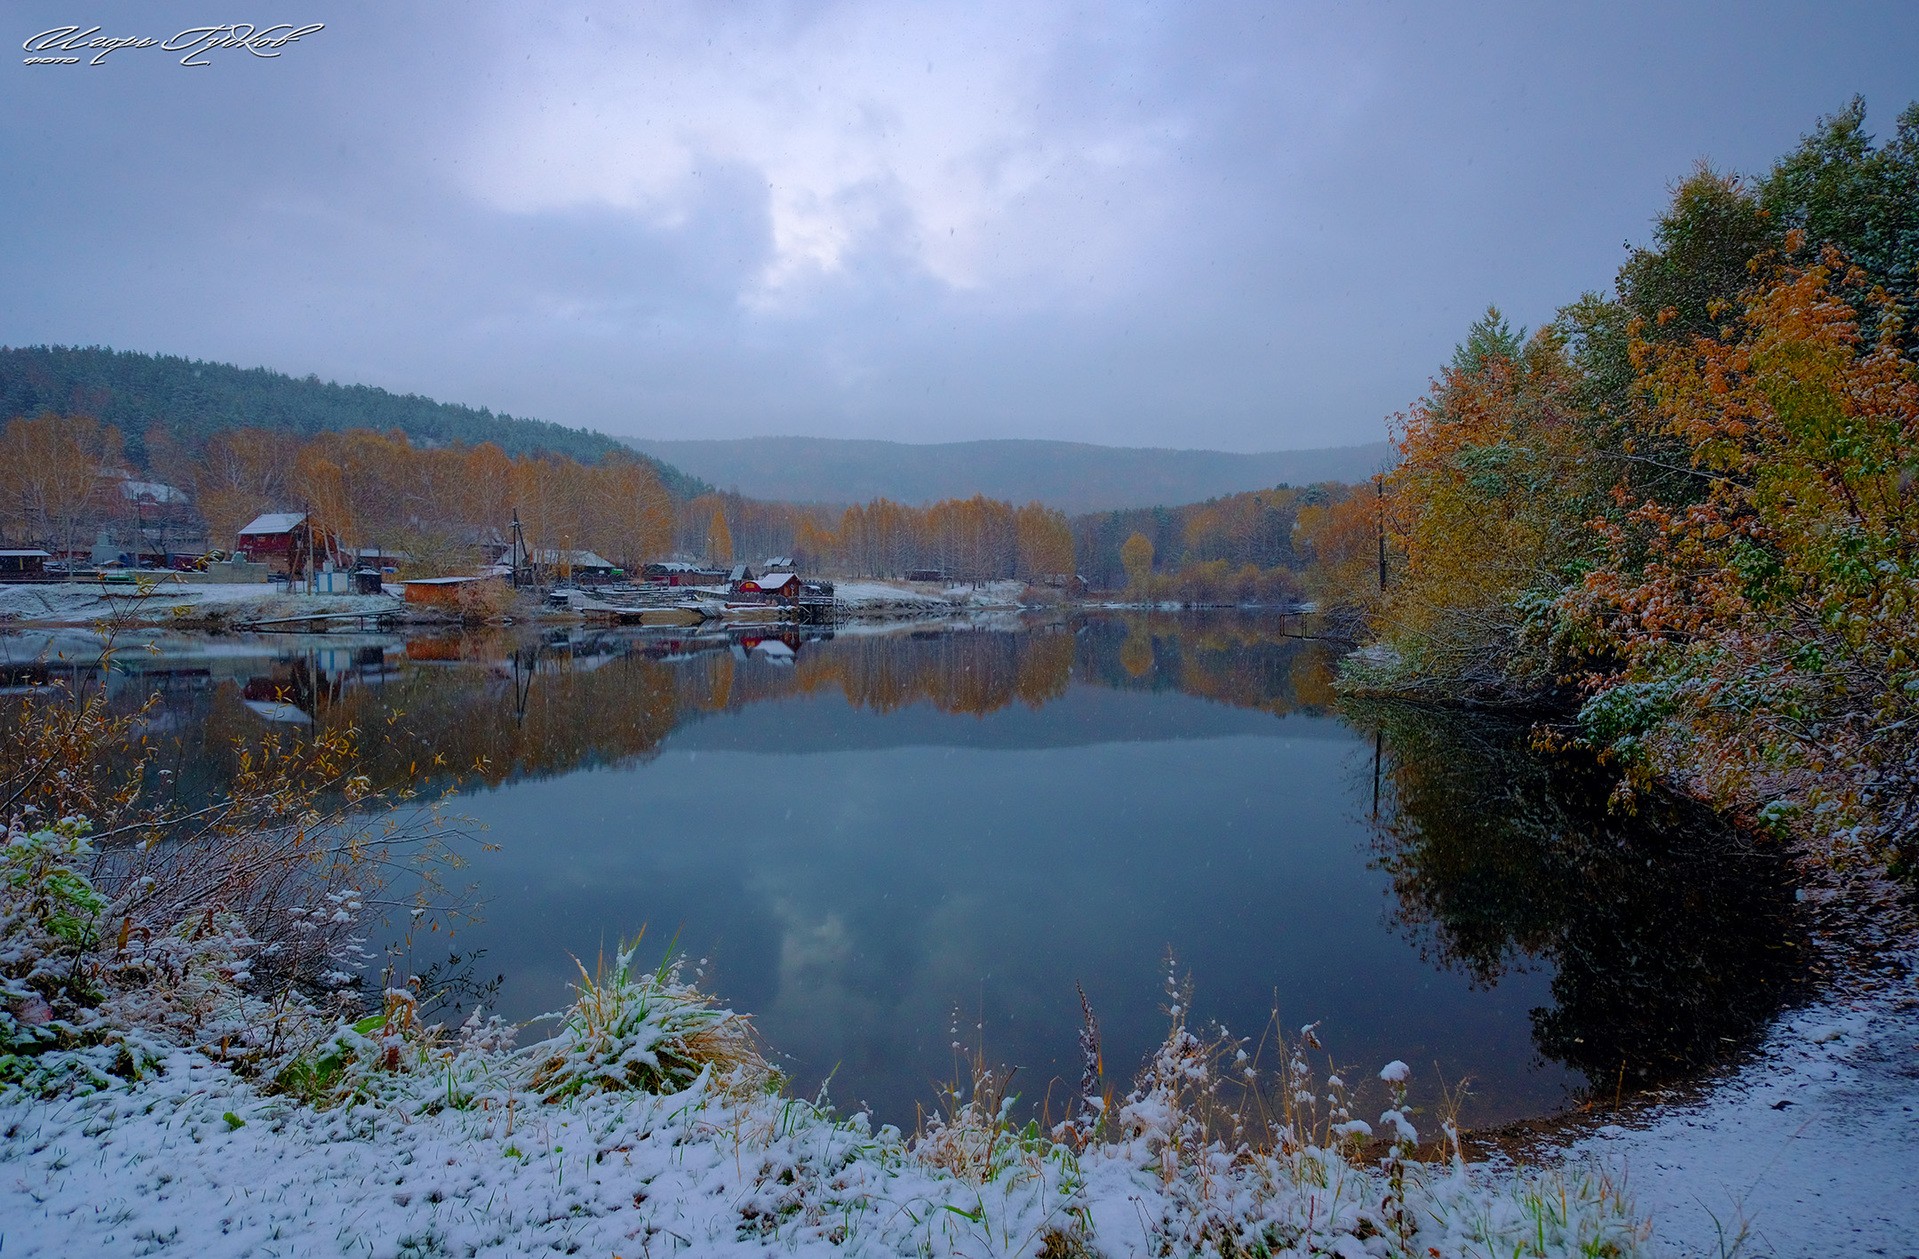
1831,1060
1803,1138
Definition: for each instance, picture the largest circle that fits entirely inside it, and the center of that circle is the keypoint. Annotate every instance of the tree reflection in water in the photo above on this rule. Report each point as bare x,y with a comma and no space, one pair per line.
1672,938
1660,941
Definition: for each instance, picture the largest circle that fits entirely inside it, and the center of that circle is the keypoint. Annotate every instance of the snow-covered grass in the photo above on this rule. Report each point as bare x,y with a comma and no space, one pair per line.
196,1162
869,595
444,1149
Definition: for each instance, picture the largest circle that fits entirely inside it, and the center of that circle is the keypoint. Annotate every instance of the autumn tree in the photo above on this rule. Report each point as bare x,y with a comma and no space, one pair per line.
1489,508
1838,189
814,543
52,475
631,515
719,539
1137,556
240,473
1770,631
483,495
1045,541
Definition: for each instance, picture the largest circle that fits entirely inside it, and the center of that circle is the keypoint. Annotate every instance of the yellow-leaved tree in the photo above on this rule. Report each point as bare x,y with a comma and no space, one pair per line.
1489,508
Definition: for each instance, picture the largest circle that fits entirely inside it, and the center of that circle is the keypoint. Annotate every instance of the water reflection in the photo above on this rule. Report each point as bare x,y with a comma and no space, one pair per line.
875,837
1668,936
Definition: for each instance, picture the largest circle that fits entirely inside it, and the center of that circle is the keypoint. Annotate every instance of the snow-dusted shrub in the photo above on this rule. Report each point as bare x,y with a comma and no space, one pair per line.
974,1136
649,1031
1255,1163
396,1060
54,1035
231,923
49,921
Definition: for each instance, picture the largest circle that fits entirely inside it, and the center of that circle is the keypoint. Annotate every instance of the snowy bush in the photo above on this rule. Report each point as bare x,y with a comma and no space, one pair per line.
648,1031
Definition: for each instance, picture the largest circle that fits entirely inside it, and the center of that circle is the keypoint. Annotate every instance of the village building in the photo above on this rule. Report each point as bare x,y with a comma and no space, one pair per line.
778,585
444,592
681,573
287,541
24,565
577,565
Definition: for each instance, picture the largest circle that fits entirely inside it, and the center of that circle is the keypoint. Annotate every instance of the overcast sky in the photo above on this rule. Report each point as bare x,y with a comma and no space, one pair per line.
1246,227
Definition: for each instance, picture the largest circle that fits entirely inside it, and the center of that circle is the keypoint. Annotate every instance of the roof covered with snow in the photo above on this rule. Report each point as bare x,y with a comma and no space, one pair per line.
577,558
274,522
151,492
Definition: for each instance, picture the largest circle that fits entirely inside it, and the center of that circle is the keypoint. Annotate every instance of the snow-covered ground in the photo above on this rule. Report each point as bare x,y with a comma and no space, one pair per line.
196,1163
1810,1149
78,603
874,597
858,594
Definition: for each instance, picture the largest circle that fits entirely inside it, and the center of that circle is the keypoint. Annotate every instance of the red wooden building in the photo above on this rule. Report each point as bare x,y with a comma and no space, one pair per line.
779,585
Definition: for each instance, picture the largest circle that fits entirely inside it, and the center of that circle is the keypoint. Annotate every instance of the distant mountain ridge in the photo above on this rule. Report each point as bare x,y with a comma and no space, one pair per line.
193,400
1072,476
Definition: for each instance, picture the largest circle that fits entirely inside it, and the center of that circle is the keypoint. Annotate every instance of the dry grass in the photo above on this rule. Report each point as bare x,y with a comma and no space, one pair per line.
646,1031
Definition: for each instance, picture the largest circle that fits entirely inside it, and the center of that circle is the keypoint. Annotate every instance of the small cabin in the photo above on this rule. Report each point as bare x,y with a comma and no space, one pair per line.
578,564
26,565
673,573
444,592
780,585
285,538
271,533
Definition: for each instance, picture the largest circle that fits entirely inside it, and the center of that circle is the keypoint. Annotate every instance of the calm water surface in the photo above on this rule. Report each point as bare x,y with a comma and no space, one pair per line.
881,844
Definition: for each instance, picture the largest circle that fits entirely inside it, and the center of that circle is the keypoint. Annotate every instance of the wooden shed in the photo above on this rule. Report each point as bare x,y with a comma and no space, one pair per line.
445,592
782,585
281,539
25,565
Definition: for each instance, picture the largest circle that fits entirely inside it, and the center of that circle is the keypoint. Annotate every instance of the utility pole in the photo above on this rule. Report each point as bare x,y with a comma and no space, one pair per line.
1379,527
517,549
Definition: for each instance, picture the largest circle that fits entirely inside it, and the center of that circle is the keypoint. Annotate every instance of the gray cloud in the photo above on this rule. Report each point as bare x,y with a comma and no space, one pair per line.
1240,226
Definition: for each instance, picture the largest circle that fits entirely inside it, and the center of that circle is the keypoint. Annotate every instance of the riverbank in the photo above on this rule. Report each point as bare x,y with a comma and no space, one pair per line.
1805,1151
647,1122
1802,1145
187,605
162,1099
217,606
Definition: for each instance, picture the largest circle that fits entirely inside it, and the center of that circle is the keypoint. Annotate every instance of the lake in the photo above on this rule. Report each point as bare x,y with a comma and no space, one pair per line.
883,842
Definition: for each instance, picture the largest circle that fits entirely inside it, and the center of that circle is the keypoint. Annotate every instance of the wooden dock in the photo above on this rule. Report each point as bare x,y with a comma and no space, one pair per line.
319,622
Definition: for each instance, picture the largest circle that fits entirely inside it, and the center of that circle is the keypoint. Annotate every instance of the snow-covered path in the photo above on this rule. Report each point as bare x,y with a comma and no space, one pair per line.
1810,1150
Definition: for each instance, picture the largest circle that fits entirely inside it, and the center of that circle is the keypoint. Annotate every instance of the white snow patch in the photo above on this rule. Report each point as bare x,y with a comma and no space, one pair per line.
1812,1149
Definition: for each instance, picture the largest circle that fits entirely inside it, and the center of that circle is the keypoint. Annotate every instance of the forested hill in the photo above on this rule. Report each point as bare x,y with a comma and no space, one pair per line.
1070,476
193,400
